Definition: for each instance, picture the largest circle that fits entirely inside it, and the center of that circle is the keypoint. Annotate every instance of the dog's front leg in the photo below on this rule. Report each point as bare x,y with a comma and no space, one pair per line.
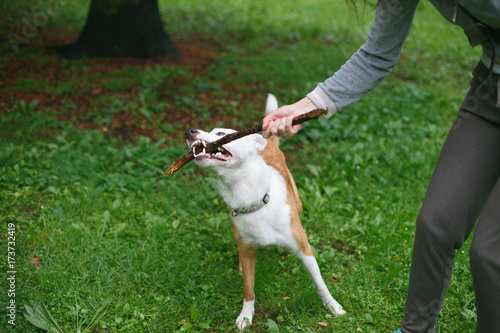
247,255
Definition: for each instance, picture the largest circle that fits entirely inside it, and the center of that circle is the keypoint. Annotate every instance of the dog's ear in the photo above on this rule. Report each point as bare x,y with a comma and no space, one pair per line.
260,142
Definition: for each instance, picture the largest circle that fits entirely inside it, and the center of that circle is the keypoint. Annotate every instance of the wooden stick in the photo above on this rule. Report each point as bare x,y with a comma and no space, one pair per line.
212,146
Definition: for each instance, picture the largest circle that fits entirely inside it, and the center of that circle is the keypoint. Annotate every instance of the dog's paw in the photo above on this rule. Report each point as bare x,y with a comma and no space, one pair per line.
335,308
243,321
246,315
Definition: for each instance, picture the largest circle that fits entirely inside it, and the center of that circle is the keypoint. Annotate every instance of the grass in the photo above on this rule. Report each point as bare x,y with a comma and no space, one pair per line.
105,222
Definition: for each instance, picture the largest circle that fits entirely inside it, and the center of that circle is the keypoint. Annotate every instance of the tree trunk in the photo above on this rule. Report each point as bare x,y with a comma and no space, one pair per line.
124,28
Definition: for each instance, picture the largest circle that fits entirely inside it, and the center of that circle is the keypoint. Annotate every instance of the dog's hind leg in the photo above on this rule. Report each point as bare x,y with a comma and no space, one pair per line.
247,256
305,254
311,265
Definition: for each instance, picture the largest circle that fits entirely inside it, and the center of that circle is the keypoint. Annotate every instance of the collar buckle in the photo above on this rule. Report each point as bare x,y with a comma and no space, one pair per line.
266,198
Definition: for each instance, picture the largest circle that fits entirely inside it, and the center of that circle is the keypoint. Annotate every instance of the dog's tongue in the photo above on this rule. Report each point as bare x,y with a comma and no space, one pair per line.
218,156
222,157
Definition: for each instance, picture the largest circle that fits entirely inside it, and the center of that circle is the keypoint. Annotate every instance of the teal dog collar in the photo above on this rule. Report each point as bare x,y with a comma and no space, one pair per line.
252,208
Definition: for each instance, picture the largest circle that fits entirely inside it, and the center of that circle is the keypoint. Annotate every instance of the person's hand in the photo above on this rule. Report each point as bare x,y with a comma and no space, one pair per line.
279,122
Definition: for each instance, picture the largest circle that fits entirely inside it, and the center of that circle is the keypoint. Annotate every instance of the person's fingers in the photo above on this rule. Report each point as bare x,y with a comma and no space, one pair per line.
266,121
285,129
291,130
266,128
288,127
275,127
281,128
297,128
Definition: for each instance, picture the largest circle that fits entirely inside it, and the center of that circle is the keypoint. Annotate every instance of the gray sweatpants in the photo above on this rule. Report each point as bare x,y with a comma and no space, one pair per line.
464,192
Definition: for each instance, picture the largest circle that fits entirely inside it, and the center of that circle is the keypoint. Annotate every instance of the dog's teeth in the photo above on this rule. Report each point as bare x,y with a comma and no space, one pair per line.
203,143
204,152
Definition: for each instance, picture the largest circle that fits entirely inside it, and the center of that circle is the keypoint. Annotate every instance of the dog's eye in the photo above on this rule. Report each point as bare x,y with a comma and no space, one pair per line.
220,133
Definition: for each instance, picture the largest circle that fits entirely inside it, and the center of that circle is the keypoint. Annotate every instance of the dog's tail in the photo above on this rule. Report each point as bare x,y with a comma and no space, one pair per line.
271,104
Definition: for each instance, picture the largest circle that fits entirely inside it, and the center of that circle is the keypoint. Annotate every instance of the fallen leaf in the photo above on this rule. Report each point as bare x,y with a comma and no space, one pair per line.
35,260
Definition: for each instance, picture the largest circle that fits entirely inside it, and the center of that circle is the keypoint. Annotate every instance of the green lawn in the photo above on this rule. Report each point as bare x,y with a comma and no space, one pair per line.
83,154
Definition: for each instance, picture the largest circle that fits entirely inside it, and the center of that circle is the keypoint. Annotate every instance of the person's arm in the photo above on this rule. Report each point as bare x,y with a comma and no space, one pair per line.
361,73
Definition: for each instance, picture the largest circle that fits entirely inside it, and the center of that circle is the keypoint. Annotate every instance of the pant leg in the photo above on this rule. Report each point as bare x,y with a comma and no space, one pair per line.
485,265
467,170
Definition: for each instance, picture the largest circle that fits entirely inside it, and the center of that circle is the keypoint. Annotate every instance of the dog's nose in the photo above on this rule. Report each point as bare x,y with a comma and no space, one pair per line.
190,133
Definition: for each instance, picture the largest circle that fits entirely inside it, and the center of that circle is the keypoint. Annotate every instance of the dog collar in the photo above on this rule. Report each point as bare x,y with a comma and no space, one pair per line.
252,208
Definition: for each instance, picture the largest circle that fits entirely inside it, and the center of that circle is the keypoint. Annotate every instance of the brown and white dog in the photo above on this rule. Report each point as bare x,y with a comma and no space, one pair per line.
255,182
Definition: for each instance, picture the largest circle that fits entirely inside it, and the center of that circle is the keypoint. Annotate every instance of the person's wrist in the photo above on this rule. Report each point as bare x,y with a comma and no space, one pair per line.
303,106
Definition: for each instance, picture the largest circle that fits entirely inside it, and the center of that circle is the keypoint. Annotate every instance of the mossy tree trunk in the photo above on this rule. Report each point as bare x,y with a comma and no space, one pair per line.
122,28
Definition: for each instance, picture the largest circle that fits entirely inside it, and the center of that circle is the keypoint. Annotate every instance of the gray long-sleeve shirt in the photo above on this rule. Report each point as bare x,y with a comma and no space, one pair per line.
377,57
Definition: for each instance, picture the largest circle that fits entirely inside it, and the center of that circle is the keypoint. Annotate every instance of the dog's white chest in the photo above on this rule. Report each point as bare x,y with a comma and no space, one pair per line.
271,224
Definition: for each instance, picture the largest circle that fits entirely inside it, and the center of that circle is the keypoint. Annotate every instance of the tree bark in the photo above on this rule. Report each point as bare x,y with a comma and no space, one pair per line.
122,28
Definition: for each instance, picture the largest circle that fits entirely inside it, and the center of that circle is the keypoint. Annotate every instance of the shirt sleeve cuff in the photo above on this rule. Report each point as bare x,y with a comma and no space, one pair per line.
322,101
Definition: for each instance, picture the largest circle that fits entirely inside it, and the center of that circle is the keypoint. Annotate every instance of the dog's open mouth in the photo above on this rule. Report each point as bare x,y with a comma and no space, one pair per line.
199,151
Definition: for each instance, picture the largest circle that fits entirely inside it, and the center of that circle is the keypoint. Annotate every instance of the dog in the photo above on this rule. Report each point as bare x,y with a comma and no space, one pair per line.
256,184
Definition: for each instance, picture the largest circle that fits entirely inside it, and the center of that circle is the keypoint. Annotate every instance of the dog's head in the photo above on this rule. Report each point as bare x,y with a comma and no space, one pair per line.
230,154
